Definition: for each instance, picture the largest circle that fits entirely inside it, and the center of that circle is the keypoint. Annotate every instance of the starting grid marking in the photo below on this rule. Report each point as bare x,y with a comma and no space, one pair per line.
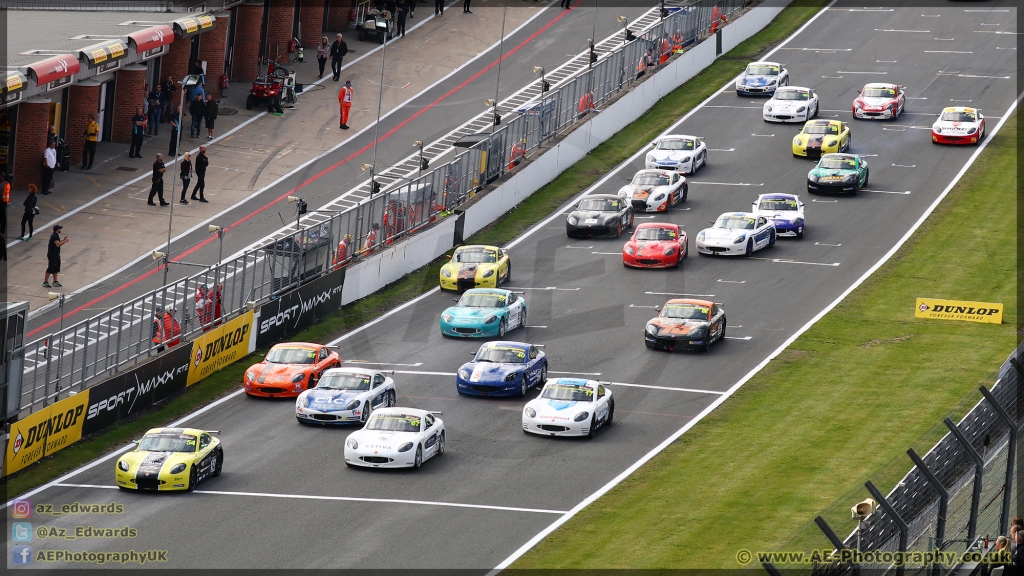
626,384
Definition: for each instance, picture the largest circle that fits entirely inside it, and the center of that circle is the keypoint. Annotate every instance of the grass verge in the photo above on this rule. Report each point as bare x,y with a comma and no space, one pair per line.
778,450
535,208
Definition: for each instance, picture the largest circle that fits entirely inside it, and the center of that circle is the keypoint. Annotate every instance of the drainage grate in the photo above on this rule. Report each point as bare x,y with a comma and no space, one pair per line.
227,111
126,169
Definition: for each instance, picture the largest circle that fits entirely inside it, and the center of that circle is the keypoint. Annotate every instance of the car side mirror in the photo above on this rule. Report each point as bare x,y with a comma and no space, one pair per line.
472,353
136,442
455,299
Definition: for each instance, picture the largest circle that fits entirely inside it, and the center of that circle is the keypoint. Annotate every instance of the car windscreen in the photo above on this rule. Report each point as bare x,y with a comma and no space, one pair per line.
568,392
762,70
656,234
478,300
685,311
650,180
777,204
475,256
735,222
394,423
958,117
599,205
344,382
168,443
821,128
677,144
878,93
291,356
791,95
838,164
501,355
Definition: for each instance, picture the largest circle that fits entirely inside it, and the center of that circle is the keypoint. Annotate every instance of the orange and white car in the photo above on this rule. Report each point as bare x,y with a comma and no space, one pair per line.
289,369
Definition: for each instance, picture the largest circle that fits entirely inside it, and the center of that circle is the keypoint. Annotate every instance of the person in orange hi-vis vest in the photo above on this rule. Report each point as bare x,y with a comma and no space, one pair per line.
342,255
666,50
6,187
345,99
716,16
586,105
166,330
518,154
677,41
645,61
371,239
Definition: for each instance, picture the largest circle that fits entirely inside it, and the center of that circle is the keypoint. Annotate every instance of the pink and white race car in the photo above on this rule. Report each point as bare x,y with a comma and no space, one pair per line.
880,101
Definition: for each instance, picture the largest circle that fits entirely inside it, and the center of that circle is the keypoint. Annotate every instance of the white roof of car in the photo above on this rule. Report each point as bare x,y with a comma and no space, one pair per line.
347,370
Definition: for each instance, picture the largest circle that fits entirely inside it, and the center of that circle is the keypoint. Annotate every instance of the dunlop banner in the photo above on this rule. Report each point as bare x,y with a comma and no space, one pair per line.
45,432
987,312
221,346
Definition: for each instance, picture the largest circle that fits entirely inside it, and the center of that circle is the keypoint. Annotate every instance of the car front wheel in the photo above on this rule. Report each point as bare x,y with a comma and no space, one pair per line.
419,457
193,479
440,444
219,463
502,328
750,247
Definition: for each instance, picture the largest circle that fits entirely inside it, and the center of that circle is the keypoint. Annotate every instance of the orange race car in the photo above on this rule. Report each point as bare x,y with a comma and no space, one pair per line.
288,369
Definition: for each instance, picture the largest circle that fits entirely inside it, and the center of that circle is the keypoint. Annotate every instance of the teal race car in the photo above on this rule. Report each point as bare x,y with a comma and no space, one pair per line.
483,312
839,173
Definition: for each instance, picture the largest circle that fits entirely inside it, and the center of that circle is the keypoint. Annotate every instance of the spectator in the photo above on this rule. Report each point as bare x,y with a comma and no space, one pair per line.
92,132
5,189
218,297
201,163
158,181
345,100
166,330
323,50
341,257
338,51
197,109
1018,552
138,129
51,135
53,257
371,239
197,90
175,127
168,90
186,175
210,113
204,307
30,212
156,109
402,10
49,165
999,556
145,101
439,7
465,7
564,4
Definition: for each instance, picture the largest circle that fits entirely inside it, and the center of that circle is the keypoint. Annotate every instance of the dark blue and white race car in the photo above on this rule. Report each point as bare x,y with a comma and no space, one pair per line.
761,79
503,369
786,211
345,396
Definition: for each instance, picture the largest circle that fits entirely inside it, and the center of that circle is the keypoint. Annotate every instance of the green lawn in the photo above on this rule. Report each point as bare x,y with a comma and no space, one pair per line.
795,439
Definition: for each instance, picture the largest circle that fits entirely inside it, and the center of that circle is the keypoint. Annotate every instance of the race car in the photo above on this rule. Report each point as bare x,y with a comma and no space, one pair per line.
841,173
484,312
655,245
396,438
760,78
822,137
791,104
170,459
786,212
476,267
288,369
959,125
736,233
685,324
344,396
655,190
677,152
599,214
880,101
569,407
503,369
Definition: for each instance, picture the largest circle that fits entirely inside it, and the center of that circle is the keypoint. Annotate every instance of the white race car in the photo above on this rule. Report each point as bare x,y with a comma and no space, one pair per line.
760,78
396,438
678,152
786,212
959,125
655,190
345,395
736,233
569,407
791,104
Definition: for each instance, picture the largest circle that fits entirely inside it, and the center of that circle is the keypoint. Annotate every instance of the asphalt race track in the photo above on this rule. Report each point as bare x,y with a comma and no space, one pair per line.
286,496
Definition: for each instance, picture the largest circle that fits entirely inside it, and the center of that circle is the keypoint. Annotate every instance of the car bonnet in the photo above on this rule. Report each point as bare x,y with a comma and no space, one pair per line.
490,371
327,400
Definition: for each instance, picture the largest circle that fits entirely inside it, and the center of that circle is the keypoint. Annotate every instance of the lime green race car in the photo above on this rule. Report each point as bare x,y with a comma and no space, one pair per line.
170,459
476,267
840,173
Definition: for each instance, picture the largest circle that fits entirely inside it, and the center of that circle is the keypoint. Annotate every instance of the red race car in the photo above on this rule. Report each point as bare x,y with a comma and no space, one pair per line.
655,245
879,101
288,369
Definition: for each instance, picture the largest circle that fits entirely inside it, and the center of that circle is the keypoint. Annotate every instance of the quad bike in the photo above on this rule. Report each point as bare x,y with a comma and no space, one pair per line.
270,90
374,23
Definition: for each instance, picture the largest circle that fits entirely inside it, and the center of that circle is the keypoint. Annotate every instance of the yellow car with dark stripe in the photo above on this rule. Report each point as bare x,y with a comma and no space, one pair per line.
822,137
169,459
476,267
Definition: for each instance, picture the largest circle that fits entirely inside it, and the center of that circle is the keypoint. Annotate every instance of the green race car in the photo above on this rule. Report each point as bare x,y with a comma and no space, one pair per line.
840,173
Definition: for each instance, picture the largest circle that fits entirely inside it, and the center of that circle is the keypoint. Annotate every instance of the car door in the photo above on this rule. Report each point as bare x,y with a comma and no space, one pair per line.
206,458
844,136
601,407
379,395
514,304
502,259
533,366
762,232
862,172
677,187
717,316
430,435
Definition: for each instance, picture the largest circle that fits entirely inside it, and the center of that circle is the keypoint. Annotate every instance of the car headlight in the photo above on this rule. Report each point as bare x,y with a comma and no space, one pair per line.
491,320
685,159
177,469
772,83
123,465
489,273
831,143
446,273
651,329
812,177
697,332
630,250
573,220
767,108
650,158
446,317
303,401
659,197
530,412
801,109
670,251
937,129
463,373
798,142
972,130
740,239
511,376
299,377
352,443
857,104
353,405
581,417
250,375
405,447
700,236
850,178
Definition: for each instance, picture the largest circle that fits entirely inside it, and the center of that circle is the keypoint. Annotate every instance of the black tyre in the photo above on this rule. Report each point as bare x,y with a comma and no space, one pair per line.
750,247
508,273
523,385
679,258
249,102
440,444
722,335
618,230
593,426
867,176
366,414
800,232
502,328
631,218
392,400
771,239
686,191
522,318
193,479
611,412
543,376
218,464
419,457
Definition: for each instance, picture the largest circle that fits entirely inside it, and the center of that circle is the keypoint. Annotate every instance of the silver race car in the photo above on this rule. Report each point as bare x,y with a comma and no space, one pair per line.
344,396
677,152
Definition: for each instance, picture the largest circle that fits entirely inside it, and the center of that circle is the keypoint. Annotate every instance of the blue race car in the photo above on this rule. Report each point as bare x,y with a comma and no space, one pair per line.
483,312
503,369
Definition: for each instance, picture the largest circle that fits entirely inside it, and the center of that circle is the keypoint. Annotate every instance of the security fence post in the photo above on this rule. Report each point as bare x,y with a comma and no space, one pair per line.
979,470
1011,457
900,524
836,541
940,522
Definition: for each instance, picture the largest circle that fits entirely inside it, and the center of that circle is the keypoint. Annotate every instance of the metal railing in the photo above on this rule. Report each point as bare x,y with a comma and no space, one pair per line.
73,357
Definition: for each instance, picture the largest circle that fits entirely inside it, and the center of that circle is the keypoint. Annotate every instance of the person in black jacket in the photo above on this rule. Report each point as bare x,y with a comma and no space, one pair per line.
30,212
185,175
202,161
158,181
198,110
338,51
402,11
212,108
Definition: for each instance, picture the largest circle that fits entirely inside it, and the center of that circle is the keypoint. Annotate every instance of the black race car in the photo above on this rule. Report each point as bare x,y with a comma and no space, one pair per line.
599,214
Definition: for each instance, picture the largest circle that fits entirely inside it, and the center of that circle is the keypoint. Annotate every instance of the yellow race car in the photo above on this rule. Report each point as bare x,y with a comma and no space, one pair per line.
476,267
822,137
170,459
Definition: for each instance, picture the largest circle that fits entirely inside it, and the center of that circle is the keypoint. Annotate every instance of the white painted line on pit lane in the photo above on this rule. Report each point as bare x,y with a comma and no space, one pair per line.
721,149
577,373
1001,48
831,76
643,217
737,337
944,39
905,165
931,15
681,294
748,107
887,129
983,10
868,9
642,306
824,201
382,363
727,183
977,76
732,281
345,499
947,52
545,288
955,100
820,49
905,192
991,24
823,244
695,390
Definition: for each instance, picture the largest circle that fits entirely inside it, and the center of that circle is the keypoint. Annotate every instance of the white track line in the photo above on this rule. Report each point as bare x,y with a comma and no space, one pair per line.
695,390
346,499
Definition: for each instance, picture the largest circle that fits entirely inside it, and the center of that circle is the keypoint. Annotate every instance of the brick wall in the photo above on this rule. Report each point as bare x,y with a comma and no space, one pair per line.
82,101
175,62
211,51
311,22
337,17
279,30
246,42
29,145
129,92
